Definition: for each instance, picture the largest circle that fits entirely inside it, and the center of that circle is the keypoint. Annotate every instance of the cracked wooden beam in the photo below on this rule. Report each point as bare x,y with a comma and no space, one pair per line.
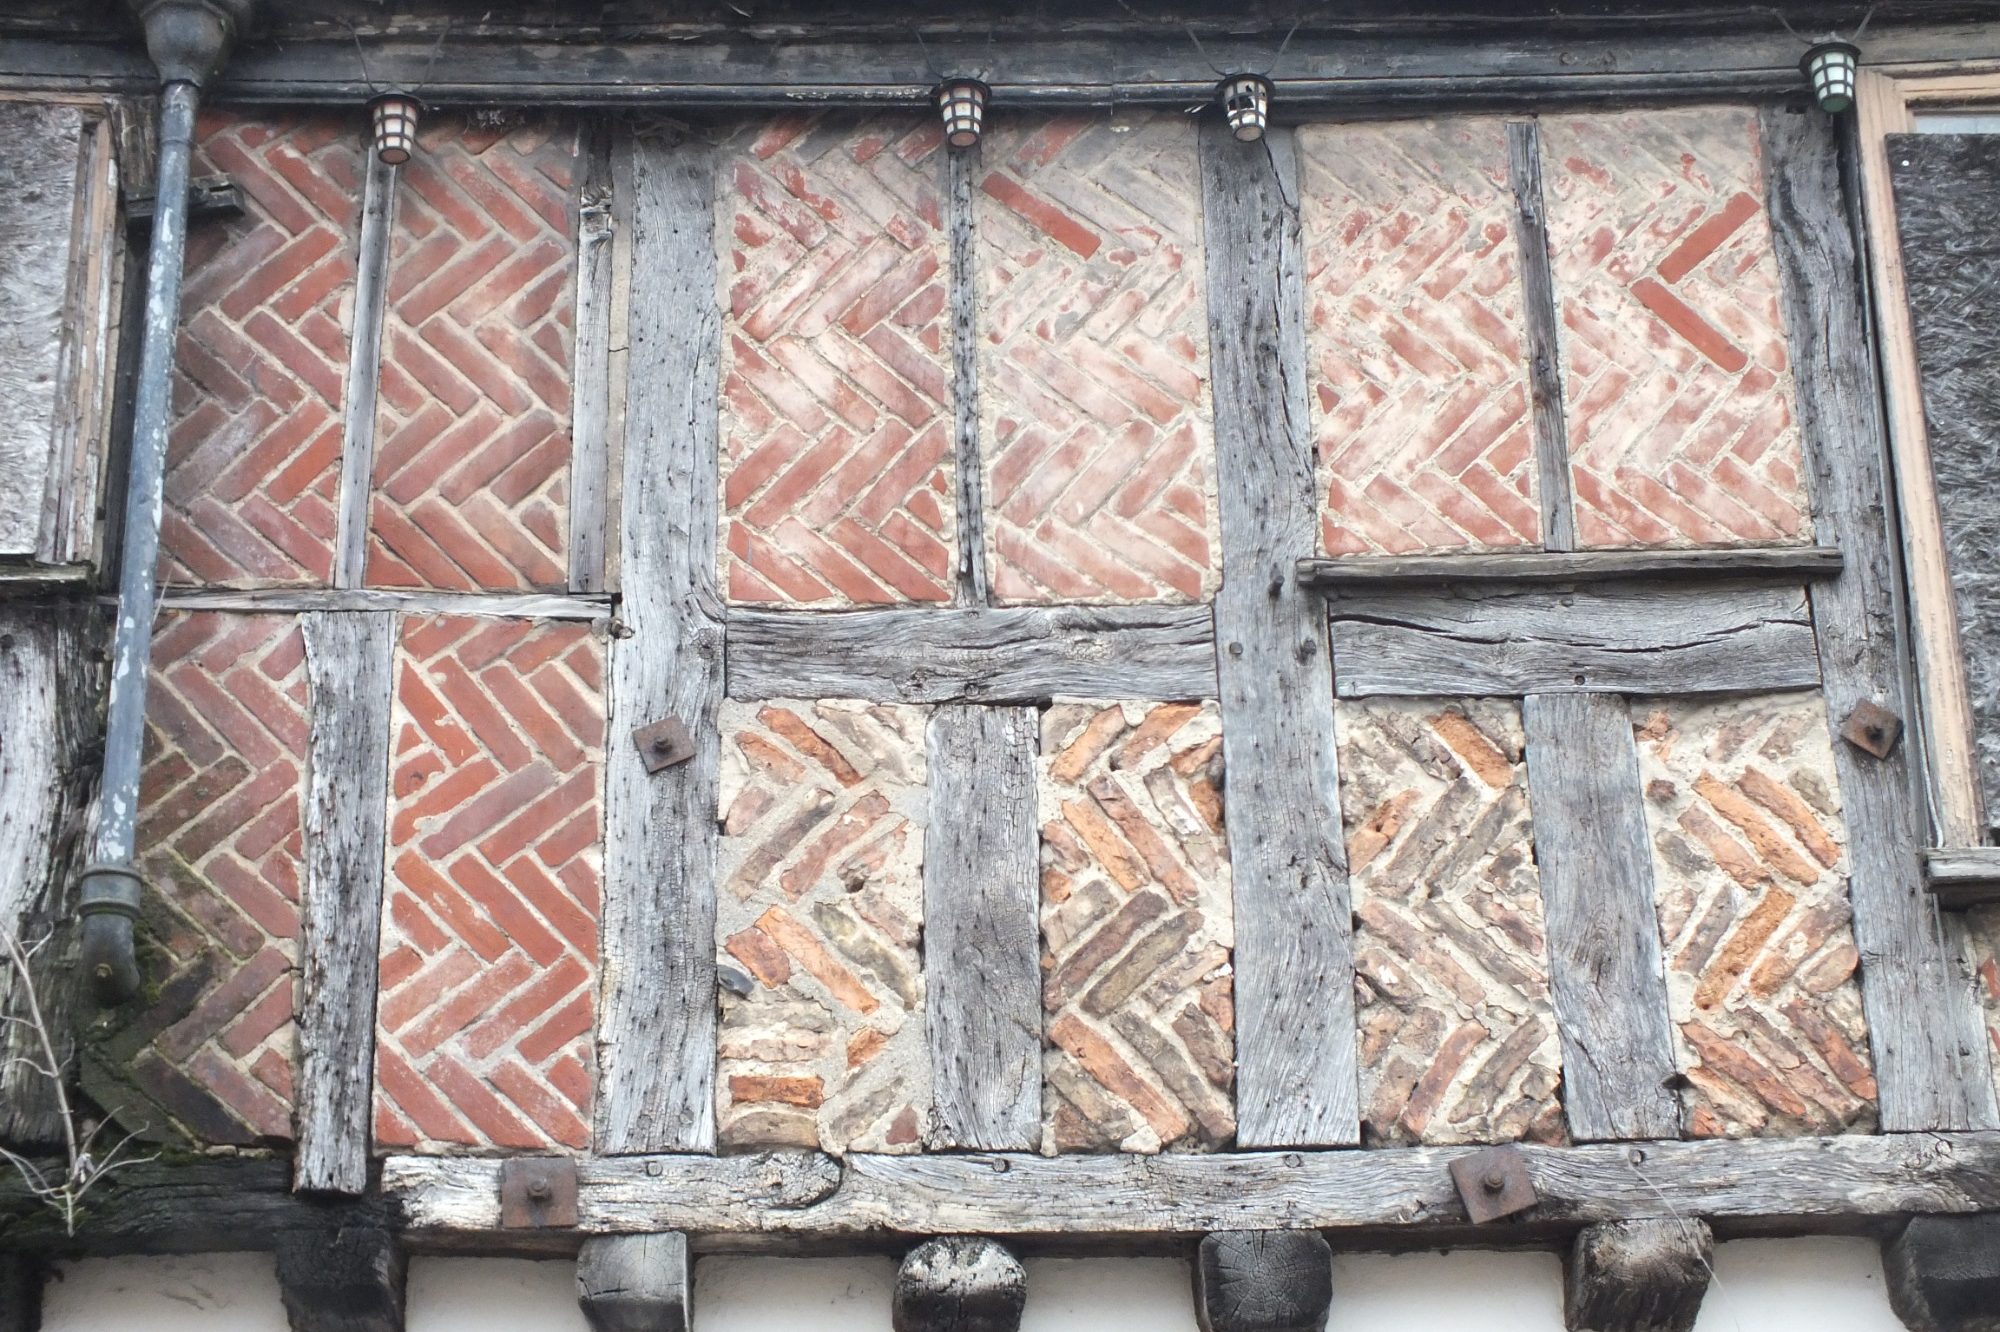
1263,1281
959,1283
635,1283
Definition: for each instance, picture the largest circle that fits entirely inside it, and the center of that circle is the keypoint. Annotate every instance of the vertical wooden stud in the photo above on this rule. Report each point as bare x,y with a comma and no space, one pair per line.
364,371
1524,147
590,395
970,587
1606,976
1295,1037
656,1019
982,959
348,664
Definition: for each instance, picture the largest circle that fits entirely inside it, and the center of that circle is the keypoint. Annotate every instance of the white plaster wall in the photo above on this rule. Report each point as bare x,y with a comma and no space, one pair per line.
1827,1285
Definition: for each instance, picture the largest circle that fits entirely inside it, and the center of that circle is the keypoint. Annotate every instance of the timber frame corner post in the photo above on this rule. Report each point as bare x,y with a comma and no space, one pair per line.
1888,102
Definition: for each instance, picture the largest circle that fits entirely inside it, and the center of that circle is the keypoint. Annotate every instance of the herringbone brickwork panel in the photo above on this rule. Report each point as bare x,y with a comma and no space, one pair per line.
253,456
1750,873
1414,318
489,930
1137,929
219,844
472,447
819,924
837,479
1676,378
1093,331
1458,1036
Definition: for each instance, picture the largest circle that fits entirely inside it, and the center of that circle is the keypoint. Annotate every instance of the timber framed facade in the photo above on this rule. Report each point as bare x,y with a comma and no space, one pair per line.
728,676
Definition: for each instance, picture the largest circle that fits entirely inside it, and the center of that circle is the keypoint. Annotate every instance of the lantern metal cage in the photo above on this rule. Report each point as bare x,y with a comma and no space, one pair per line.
962,103
396,115
1832,66
1246,102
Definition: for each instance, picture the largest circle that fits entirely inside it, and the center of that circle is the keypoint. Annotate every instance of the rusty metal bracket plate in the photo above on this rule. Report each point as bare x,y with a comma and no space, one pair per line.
663,743
537,1192
1494,1184
1872,728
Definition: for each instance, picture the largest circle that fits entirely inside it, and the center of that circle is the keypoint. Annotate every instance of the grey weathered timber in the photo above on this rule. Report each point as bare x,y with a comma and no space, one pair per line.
364,373
1295,1081
1485,639
302,600
959,1283
970,587
1531,231
1963,876
1596,862
656,1018
590,389
634,1283
51,689
1947,195
347,1277
982,933
1637,1276
1797,563
1263,1281
1790,1185
1944,1273
1928,1045
348,664
22,1277
1016,654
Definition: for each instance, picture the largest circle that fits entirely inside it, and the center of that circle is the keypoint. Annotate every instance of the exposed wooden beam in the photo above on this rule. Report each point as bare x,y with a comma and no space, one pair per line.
1606,977
1965,876
1929,1047
1793,563
1531,231
22,1277
635,1283
358,405
1637,1276
1295,1038
346,1277
590,395
970,585
1263,1281
656,1021
959,1283
1944,1273
1016,655
1502,639
304,600
348,668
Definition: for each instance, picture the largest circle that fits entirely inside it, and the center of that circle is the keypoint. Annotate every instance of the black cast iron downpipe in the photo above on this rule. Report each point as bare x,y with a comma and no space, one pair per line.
188,41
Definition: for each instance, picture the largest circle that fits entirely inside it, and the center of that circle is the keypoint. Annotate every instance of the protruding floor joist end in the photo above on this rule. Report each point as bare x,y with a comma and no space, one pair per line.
346,1278
960,1283
21,1278
634,1283
1944,1273
1263,1281
1638,1276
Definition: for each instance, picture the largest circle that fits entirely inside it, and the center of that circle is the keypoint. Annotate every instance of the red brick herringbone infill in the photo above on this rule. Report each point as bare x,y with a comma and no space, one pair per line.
473,445
1418,362
1099,452
489,942
1676,376
254,453
219,842
836,401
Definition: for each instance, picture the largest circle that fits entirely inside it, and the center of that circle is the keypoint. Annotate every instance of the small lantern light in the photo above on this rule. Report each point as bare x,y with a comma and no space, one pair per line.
962,103
396,116
1246,101
1831,66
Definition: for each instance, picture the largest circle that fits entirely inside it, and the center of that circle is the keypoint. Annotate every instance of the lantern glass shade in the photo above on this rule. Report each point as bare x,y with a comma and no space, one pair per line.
1831,66
962,103
1246,102
396,117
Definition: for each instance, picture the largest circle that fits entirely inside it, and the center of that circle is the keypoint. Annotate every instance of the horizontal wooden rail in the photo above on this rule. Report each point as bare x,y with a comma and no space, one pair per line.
298,600
1963,876
1582,566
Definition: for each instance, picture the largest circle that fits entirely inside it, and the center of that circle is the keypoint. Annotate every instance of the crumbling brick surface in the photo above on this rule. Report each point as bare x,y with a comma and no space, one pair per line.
1136,929
836,424
819,924
1458,1037
1979,947
212,1044
1751,882
1099,453
1677,383
253,456
1414,316
472,448
489,930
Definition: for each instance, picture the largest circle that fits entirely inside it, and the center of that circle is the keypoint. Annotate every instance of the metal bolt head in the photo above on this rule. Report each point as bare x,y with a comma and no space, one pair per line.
539,1190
